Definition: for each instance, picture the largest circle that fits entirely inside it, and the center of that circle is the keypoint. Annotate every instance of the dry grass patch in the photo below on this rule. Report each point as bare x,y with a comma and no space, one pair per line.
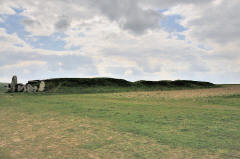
226,90
55,136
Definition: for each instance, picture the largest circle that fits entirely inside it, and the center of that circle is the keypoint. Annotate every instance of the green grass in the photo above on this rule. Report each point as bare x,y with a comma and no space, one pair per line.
195,127
110,89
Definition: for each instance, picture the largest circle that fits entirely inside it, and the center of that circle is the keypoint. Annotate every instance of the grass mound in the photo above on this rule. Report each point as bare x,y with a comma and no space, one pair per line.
97,85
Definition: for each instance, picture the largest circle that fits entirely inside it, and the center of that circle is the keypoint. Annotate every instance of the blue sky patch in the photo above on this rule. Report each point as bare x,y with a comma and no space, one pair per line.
170,23
162,10
180,37
48,42
13,24
202,46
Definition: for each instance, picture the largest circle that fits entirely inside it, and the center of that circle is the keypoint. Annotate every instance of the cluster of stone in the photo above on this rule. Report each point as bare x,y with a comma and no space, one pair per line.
31,86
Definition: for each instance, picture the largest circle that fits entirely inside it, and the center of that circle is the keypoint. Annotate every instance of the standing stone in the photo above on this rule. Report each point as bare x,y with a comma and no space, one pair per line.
25,88
29,88
35,89
14,84
41,86
9,88
20,87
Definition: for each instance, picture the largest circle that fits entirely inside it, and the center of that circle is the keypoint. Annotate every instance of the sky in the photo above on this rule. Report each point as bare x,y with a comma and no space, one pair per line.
127,39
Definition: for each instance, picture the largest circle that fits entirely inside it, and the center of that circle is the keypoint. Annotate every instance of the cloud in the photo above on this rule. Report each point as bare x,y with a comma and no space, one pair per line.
30,22
136,16
63,23
219,24
7,7
216,22
121,38
45,66
129,15
23,64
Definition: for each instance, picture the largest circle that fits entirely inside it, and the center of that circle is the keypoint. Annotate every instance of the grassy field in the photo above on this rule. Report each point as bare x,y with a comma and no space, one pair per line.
200,123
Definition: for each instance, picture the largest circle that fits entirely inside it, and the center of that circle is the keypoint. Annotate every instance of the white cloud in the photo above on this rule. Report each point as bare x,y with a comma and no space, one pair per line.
217,22
23,64
7,7
6,38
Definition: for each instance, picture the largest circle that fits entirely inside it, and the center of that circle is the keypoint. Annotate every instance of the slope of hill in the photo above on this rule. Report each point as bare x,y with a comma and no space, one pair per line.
3,87
95,85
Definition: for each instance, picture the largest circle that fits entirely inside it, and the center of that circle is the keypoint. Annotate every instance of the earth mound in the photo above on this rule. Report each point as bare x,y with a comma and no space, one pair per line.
95,85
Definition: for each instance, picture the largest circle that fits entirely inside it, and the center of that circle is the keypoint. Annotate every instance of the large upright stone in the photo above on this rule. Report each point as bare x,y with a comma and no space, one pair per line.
13,84
20,87
41,86
30,88
35,89
9,88
25,88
